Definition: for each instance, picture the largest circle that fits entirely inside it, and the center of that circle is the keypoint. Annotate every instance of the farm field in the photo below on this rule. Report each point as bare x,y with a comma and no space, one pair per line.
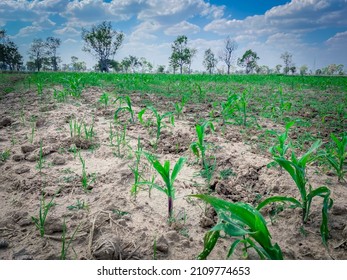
82,173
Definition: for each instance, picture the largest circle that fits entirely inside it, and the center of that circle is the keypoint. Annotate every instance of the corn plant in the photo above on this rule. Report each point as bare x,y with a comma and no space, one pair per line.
104,99
229,107
75,128
66,244
86,179
159,119
39,87
75,86
60,95
4,155
199,147
169,179
79,205
297,170
136,169
89,131
242,221
120,140
43,212
337,157
128,107
179,107
283,105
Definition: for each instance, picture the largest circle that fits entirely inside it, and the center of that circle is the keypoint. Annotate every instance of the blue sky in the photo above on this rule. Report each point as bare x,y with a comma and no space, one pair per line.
314,31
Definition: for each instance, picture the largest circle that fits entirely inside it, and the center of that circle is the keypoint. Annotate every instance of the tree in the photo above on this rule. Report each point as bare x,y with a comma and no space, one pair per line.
210,61
303,70
126,63
37,53
115,65
227,53
249,61
181,54
293,69
102,42
287,60
146,66
52,45
77,65
10,58
160,69
278,68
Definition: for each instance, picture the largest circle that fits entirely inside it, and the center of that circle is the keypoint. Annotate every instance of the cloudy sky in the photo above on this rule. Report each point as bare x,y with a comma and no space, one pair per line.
314,31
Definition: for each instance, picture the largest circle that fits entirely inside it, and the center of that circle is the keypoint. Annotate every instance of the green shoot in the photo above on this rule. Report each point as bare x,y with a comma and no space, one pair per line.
43,212
104,99
159,119
169,179
128,108
5,155
75,128
66,245
199,148
79,205
242,221
86,179
338,156
179,107
135,169
297,170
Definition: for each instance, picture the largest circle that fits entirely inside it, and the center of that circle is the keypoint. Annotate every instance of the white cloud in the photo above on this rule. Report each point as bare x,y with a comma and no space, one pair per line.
144,31
67,30
183,27
338,40
70,41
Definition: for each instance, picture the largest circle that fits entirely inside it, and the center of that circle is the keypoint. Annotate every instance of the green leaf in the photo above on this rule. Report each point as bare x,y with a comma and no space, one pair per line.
283,199
210,240
177,168
140,115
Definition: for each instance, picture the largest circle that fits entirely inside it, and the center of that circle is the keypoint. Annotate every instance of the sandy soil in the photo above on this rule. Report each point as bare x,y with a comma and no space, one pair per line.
115,225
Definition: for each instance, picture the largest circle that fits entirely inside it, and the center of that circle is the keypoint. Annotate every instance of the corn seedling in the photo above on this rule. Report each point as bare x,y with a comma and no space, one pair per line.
128,108
337,157
104,99
40,160
179,107
4,155
159,119
297,170
43,212
242,221
136,169
89,131
86,179
60,95
282,107
120,140
39,87
228,108
75,128
79,205
169,179
199,148
66,244
74,150
75,86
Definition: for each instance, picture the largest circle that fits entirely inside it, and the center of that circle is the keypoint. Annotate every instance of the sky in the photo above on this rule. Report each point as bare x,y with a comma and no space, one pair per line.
313,31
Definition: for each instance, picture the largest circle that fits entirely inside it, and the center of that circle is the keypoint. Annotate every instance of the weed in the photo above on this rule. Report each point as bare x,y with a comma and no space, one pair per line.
4,155
226,173
79,205
86,179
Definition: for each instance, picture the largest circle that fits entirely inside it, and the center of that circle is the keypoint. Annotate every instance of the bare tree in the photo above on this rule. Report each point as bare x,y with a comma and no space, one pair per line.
287,60
227,53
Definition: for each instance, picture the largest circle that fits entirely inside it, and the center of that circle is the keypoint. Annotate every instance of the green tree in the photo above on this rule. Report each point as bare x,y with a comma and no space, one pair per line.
77,65
37,53
181,54
102,42
160,69
303,70
52,45
227,53
248,60
10,58
210,61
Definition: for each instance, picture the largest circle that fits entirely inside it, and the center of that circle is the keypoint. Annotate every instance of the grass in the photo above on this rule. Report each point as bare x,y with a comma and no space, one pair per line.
43,212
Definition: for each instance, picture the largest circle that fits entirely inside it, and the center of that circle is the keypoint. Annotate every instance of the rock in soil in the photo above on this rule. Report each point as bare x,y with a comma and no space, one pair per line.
58,160
18,158
27,148
3,244
22,169
162,245
107,247
5,122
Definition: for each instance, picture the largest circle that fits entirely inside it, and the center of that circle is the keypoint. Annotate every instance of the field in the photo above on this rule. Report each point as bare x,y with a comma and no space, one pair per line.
82,173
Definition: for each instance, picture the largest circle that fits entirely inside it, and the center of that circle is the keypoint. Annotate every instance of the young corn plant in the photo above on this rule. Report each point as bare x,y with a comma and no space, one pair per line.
86,179
121,141
104,99
75,86
159,119
199,147
43,212
75,128
297,170
136,169
228,108
337,157
128,108
242,221
179,107
66,244
89,131
169,179
282,107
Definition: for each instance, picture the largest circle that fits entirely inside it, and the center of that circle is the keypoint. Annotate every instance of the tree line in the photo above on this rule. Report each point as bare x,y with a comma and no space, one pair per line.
102,42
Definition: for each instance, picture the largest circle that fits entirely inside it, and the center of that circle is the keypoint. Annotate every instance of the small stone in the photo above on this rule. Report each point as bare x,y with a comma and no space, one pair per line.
162,245
18,157
40,123
206,222
22,169
24,222
53,225
58,160
3,244
31,157
122,222
27,148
